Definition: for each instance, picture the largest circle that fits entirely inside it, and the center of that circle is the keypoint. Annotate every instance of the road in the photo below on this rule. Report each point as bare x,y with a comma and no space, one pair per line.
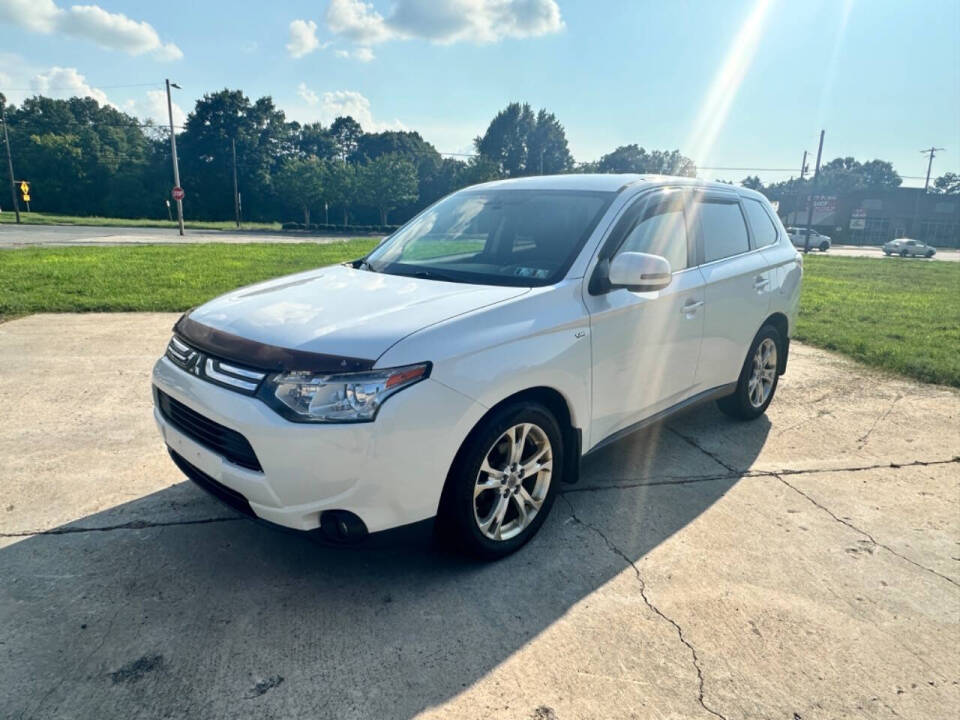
14,236
947,254
800,566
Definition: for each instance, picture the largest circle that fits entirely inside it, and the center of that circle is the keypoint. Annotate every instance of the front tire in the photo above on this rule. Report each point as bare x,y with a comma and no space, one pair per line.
903,253
824,247
504,481
758,377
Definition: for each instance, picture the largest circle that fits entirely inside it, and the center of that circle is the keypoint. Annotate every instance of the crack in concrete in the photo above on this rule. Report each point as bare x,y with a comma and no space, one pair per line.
132,525
880,418
864,533
643,594
779,476
733,475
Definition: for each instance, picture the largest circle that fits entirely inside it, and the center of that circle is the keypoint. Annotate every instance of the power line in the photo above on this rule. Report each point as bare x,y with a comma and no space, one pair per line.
73,88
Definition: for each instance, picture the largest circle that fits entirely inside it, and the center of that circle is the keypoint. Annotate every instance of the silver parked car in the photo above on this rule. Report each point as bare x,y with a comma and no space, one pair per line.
798,236
907,247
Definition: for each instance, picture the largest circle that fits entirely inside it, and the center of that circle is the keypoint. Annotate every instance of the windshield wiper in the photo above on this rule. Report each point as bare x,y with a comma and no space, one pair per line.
431,275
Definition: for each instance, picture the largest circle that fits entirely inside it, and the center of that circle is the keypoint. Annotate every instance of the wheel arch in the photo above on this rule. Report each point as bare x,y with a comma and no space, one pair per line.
780,322
558,405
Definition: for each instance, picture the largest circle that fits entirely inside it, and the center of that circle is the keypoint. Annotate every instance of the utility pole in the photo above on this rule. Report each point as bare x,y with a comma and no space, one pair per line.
816,176
173,152
915,226
932,152
6,140
803,172
236,194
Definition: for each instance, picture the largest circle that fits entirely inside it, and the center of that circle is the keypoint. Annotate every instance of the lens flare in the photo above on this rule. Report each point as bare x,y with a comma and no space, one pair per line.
713,113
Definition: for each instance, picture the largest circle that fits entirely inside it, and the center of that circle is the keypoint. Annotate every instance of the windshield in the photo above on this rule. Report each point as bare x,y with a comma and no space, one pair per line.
494,237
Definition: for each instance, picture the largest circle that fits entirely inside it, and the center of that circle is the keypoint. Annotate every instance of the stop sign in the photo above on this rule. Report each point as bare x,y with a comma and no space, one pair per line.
177,193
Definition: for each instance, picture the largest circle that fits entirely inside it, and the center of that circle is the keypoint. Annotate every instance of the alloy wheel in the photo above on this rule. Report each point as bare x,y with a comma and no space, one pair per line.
513,481
764,373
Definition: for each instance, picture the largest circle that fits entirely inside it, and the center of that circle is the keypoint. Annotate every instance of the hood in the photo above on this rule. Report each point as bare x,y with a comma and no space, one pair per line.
341,311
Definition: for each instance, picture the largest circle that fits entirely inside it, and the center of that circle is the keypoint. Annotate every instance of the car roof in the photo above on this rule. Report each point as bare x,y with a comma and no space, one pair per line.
606,182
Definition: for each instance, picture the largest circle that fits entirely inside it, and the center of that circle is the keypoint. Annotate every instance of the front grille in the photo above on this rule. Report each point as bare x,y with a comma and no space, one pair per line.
220,491
234,377
222,440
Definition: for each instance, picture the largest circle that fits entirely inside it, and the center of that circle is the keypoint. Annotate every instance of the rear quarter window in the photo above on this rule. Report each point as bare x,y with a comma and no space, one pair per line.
764,231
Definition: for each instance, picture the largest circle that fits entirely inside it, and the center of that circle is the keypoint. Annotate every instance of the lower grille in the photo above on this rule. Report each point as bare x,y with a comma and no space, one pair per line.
222,440
220,491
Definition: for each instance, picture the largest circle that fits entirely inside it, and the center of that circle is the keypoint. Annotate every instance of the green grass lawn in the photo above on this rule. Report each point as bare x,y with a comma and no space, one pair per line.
149,277
900,315
36,218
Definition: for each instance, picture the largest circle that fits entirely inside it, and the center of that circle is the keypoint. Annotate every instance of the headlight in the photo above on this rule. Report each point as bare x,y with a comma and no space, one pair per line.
343,398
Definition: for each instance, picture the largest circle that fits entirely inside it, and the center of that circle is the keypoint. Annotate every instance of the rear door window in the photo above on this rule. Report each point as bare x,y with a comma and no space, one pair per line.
722,228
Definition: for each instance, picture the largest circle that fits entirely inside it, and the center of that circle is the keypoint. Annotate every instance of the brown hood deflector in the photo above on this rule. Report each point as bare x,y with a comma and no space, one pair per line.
259,355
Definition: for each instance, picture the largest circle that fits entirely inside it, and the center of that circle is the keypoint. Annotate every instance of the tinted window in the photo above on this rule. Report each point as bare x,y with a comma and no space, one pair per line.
495,237
662,231
724,232
764,231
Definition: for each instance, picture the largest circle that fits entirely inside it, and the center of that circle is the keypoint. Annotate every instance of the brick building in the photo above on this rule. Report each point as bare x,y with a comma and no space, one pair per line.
871,217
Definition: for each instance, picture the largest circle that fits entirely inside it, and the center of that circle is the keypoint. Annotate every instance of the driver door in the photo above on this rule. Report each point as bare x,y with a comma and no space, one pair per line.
646,345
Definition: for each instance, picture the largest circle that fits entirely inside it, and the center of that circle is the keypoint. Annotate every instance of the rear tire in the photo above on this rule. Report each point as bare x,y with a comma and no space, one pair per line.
758,379
903,253
497,496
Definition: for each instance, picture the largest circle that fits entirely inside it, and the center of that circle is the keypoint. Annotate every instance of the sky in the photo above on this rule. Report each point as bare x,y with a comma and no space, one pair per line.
731,84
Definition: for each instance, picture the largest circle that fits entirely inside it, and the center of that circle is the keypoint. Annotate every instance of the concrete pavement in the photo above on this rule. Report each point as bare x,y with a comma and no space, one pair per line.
14,236
801,566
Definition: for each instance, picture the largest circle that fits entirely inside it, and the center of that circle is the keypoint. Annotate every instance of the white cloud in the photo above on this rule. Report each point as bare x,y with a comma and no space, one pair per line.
360,54
153,106
303,38
308,95
114,31
331,105
66,82
444,21
357,21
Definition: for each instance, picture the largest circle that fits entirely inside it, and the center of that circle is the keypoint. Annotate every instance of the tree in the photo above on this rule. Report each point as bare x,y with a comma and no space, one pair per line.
346,133
635,159
341,186
302,181
947,184
752,182
547,150
263,138
387,182
519,143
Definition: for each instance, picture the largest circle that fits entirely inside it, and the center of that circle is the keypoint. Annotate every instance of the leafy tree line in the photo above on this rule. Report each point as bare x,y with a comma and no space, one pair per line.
845,175
86,159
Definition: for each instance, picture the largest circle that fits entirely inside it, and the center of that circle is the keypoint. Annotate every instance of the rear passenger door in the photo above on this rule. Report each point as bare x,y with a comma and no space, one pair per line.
737,283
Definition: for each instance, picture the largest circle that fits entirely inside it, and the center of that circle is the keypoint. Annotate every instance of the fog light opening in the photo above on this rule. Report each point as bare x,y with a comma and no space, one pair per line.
342,526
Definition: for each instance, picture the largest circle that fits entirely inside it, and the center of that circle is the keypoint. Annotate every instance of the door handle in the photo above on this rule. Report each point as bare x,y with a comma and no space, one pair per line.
691,307
760,282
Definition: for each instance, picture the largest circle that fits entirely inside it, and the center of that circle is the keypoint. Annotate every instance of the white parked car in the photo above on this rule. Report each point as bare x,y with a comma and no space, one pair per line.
818,241
905,247
462,368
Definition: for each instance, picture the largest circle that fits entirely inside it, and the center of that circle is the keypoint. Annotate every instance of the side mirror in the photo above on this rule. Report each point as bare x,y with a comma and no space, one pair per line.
639,272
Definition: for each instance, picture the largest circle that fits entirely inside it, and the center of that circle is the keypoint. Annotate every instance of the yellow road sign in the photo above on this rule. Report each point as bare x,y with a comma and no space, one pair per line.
24,188
26,198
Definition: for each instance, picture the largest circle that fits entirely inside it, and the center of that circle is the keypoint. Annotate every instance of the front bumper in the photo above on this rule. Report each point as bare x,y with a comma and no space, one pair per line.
389,472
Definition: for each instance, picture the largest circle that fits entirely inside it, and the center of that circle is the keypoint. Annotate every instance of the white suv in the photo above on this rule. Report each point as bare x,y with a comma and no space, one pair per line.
462,368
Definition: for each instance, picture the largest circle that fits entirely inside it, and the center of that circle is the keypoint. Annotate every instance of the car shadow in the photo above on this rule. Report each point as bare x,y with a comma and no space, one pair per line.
172,605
